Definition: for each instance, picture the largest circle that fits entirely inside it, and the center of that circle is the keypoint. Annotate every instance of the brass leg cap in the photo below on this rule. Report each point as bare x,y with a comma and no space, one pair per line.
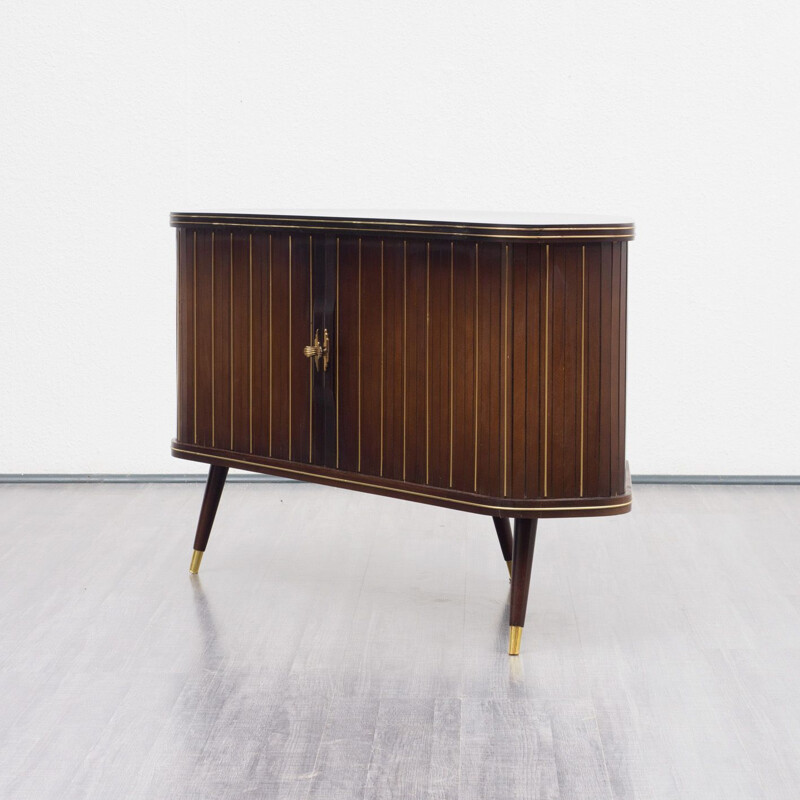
508,564
197,557
514,639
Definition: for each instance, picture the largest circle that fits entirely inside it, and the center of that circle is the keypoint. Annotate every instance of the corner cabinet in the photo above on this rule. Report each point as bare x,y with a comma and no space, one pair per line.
473,364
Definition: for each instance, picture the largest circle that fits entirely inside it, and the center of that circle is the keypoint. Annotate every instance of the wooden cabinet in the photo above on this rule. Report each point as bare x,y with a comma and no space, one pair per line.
476,365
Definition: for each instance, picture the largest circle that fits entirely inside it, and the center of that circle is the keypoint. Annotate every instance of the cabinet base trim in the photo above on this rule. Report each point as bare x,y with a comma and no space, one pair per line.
447,498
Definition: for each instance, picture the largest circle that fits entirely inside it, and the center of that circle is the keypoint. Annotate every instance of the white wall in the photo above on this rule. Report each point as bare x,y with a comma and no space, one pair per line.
682,114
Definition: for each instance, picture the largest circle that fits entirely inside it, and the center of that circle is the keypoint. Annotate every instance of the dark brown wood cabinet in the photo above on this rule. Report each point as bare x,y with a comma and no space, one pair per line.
476,365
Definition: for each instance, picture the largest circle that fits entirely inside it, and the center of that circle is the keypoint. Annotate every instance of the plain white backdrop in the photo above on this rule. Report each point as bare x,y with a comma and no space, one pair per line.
682,115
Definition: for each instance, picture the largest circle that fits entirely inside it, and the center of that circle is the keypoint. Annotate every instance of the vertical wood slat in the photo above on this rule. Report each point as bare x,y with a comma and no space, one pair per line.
260,303
279,329
392,383
185,336
623,355
371,358
463,364
347,353
300,322
221,365
241,344
565,381
416,360
606,359
613,400
523,339
324,310
438,354
490,472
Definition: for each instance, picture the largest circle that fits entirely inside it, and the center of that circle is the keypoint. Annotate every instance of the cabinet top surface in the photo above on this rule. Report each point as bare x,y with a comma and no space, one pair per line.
500,224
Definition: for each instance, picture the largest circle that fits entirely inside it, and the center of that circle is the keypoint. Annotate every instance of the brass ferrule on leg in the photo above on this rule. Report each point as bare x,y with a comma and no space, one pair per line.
197,557
514,639
508,564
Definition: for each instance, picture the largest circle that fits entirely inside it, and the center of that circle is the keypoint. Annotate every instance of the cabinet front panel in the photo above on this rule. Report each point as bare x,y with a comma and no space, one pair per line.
490,368
244,316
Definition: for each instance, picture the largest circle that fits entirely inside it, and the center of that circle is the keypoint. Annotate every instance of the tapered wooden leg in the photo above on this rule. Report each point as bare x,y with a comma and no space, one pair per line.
522,564
214,486
503,528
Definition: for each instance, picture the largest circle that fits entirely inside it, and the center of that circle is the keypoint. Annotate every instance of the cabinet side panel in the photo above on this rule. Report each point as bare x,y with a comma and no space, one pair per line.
394,329
241,345
301,334
204,269
185,332
259,275
489,395
440,299
464,359
372,362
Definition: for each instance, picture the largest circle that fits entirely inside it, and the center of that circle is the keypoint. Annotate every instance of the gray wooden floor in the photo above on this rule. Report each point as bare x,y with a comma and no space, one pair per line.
338,645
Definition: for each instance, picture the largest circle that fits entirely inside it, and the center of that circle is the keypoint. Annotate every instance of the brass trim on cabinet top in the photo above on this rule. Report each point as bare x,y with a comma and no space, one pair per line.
456,228
527,237
397,489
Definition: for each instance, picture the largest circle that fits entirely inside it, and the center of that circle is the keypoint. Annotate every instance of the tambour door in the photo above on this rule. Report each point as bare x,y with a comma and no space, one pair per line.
487,367
419,359
246,310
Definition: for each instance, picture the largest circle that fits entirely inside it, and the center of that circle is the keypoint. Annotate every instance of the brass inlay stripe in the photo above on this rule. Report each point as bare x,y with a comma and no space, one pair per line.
407,223
427,359
194,325
583,350
382,350
450,482
270,345
213,376
289,354
399,490
405,351
477,361
230,330
505,380
310,339
531,237
359,356
336,343
546,354
251,342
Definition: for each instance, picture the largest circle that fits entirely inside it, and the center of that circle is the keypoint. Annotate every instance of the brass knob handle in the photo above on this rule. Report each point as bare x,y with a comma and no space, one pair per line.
318,350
